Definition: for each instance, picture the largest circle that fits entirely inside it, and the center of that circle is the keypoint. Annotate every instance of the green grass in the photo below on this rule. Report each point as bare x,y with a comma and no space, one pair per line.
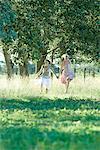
56,121
18,88
46,124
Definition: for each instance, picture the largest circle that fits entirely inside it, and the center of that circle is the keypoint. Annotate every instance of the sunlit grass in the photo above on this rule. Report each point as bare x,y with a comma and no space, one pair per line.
30,120
49,124
16,87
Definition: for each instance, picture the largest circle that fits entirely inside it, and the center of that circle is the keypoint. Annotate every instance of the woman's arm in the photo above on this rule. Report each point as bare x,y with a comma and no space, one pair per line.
62,67
53,71
40,71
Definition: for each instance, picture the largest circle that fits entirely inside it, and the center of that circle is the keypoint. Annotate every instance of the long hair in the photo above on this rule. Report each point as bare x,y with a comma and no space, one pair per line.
65,57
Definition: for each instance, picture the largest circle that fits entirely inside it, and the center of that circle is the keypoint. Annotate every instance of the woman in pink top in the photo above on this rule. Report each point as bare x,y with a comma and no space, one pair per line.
66,73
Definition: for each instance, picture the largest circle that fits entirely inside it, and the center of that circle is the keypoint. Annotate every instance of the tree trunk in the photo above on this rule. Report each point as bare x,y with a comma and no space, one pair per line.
21,70
8,62
52,57
62,47
24,69
84,74
40,62
93,73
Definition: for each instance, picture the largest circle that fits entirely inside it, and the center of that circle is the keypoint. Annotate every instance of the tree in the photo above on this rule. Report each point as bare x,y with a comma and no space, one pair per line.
78,26
33,29
39,23
7,33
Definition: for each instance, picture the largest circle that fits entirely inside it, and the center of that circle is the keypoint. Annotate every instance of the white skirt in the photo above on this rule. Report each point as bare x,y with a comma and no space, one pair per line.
46,82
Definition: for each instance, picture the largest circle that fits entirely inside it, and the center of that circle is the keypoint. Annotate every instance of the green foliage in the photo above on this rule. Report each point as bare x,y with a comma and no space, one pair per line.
38,23
74,22
7,18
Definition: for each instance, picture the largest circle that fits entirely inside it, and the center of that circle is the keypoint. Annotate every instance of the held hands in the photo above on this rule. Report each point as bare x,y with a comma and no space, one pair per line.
37,76
57,77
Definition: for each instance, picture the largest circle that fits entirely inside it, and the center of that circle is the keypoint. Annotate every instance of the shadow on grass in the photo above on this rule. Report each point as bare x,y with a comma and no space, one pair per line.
33,138
27,137
40,103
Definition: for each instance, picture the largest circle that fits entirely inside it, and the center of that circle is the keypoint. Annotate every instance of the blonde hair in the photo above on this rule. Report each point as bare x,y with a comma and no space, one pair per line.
64,56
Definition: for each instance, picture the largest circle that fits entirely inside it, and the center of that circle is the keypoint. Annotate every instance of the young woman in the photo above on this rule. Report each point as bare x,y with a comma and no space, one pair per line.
45,75
66,73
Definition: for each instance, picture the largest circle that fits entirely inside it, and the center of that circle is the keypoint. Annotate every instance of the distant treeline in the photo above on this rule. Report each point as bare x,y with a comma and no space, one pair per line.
32,69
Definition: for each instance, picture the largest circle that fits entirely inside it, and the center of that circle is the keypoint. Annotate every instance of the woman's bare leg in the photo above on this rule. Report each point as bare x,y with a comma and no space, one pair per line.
67,85
41,87
46,90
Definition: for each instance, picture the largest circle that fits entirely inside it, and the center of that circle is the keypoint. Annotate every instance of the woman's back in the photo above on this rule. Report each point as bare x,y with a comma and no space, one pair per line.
67,68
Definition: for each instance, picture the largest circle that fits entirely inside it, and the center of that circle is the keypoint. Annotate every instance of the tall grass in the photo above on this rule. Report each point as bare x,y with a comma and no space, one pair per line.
30,87
54,121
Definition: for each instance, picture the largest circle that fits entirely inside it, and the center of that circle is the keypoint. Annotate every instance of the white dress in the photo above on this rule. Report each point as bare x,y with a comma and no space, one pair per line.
45,79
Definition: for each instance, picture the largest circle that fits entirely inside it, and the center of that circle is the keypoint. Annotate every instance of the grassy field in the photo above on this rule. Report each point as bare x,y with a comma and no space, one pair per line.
18,88
56,121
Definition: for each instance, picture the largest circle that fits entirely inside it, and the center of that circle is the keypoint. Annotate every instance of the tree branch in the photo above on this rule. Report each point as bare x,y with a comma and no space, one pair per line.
51,51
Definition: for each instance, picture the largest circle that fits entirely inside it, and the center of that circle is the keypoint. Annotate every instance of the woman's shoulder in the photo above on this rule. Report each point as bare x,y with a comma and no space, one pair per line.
66,62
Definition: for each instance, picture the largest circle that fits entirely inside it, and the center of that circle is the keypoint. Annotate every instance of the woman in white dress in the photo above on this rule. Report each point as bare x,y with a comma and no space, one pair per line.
66,72
44,73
